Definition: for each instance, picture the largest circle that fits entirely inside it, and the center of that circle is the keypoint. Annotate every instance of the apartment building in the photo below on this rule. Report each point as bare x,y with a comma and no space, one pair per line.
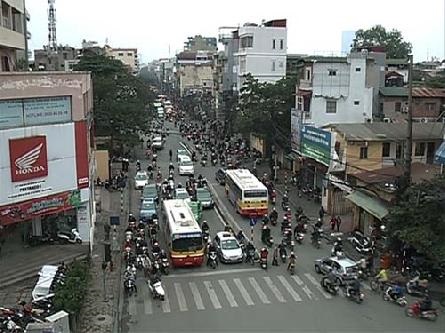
129,57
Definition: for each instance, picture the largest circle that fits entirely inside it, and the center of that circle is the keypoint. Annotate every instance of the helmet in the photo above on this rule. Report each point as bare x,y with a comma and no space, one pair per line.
319,219
273,209
292,253
339,239
288,209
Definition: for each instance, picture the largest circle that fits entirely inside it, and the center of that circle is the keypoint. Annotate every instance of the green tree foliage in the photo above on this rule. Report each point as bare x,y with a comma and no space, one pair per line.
419,218
120,100
70,295
396,46
264,108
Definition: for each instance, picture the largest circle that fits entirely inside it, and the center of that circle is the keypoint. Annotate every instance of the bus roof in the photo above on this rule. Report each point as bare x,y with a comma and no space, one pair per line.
245,179
180,217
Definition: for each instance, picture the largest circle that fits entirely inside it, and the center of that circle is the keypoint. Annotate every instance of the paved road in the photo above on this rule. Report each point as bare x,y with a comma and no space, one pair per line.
241,297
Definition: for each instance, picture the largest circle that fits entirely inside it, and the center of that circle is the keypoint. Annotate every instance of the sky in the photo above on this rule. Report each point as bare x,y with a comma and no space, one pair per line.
159,28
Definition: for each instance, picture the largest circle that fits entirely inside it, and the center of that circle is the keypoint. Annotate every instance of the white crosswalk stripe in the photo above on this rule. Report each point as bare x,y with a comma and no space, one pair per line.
229,295
132,306
166,304
289,288
148,306
305,288
274,289
317,285
181,298
213,298
196,296
243,291
259,291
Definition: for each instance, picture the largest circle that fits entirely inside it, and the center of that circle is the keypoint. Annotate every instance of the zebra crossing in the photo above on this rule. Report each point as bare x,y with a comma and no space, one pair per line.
224,293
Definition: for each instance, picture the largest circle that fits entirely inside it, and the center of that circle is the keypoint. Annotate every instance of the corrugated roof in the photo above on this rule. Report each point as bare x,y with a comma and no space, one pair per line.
380,131
428,92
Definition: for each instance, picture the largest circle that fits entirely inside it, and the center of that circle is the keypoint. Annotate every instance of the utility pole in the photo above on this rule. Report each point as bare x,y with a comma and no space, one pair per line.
409,143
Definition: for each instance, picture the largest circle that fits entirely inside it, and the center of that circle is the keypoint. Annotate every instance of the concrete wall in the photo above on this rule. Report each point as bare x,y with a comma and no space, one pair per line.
102,158
192,76
78,85
12,39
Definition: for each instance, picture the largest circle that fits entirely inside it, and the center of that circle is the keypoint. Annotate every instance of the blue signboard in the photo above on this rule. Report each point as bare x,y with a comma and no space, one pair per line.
316,143
439,156
11,114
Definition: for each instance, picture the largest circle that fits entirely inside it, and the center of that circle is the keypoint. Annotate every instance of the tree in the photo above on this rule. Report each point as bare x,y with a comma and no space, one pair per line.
419,218
121,101
396,46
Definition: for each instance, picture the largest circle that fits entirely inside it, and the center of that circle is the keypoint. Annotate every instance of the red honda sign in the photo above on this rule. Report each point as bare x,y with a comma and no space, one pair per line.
28,158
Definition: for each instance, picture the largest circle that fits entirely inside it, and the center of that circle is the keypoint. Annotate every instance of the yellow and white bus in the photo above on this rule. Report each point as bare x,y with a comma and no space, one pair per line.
246,193
183,233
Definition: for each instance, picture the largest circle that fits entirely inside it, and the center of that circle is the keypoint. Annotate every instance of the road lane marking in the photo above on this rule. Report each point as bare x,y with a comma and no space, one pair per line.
223,207
210,273
220,218
289,288
181,298
148,306
229,295
305,288
259,291
166,304
196,296
243,291
132,306
317,285
274,289
212,295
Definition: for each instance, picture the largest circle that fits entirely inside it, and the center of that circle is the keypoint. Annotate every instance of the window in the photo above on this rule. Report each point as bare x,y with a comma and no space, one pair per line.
399,151
130,54
280,64
120,54
300,103
356,102
273,65
398,107
363,153
430,107
381,107
281,44
247,41
332,72
420,149
358,69
273,44
386,147
65,55
331,106
308,74
5,64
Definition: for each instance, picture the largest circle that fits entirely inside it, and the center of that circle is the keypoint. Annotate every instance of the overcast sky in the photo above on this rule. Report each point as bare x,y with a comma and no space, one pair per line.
314,27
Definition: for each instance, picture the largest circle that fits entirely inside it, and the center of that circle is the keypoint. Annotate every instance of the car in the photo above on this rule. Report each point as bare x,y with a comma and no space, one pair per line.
181,152
204,196
150,192
158,143
344,268
181,193
140,180
148,209
228,248
220,176
186,166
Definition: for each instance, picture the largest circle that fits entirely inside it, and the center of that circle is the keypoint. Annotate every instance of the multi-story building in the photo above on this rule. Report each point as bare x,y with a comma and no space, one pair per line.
341,89
13,34
46,145
199,43
129,57
195,72
45,61
262,51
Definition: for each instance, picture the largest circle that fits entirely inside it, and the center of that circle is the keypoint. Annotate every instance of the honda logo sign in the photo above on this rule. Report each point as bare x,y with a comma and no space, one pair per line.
28,158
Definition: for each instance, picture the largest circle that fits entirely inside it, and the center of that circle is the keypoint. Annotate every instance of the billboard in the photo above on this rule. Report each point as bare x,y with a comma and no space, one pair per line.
295,126
316,144
59,174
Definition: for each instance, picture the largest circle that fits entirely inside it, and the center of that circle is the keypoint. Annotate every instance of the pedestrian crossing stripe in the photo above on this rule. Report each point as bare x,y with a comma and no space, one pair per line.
234,293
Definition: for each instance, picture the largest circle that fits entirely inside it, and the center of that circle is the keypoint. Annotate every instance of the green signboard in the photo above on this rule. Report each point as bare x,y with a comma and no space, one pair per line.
316,143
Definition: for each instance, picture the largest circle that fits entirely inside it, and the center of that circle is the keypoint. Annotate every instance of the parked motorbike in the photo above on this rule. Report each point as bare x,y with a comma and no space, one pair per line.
72,237
401,301
361,243
414,311
40,240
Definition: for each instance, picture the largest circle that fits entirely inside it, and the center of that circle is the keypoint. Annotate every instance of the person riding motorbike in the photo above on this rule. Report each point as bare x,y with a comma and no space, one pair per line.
353,287
265,233
299,228
156,248
205,226
263,253
282,249
382,276
426,303
319,223
331,278
338,247
250,251
394,292
265,219
273,216
292,260
131,218
171,168
285,200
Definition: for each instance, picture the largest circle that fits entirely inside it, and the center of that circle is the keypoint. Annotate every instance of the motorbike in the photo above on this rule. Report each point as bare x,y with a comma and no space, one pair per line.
214,162
250,256
316,242
292,268
156,289
263,263
417,287
285,205
299,236
130,286
401,301
165,266
330,287
139,262
72,237
40,240
354,296
414,311
212,259
361,243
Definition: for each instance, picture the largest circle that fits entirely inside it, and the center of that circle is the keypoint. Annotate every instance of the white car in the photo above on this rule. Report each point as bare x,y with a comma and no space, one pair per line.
158,143
186,166
181,193
140,180
229,250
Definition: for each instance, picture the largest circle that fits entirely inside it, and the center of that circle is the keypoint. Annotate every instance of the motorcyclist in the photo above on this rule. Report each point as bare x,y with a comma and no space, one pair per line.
265,233
353,287
273,216
205,226
395,292
171,167
285,200
292,260
282,249
264,253
382,276
156,248
138,165
426,303
331,278
131,218
265,219
299,228
338,247
250,250
319,223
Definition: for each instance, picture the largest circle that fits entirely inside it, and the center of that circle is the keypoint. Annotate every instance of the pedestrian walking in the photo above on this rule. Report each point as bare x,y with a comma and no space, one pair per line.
338,222
321,212
333,222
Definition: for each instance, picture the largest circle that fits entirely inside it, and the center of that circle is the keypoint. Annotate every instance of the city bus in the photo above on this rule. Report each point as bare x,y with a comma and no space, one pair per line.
183,234
246,193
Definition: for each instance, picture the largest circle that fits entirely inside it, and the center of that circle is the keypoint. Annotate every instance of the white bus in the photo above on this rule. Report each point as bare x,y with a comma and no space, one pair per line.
246,193
183,233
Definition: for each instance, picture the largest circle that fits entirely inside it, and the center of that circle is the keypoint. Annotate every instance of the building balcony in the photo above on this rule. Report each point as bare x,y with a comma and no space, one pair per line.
11,39
305,84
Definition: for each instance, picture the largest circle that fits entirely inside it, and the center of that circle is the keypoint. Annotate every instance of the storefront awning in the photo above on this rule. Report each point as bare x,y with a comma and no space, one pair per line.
372,205
292,156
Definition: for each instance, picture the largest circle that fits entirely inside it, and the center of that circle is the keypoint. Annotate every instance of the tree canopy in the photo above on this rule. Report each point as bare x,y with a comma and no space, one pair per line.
120,99
419,218
396,46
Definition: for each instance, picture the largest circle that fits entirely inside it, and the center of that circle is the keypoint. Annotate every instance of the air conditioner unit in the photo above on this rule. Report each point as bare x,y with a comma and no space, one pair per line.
387,120
404,108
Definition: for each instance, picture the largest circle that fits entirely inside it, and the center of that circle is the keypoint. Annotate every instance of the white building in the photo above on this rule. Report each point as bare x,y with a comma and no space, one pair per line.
341,89
129,57
262,51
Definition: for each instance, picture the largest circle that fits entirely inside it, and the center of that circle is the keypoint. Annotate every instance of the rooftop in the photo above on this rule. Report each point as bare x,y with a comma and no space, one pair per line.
396,62
417,92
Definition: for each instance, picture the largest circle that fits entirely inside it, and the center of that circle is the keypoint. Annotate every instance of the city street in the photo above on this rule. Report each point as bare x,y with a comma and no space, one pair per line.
242,297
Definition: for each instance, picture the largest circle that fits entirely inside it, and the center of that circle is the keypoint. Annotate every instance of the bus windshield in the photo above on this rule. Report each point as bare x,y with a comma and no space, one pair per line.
255,193
187,244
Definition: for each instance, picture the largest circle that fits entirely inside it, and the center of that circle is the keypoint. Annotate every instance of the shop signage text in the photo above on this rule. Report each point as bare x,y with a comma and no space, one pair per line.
316,144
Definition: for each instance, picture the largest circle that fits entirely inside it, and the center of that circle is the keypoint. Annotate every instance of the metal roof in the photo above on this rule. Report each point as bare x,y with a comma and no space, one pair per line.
380,131
394,91
244,179
180,216
417,92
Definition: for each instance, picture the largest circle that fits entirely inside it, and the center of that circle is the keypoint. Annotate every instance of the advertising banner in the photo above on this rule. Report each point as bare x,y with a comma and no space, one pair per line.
37,161
11,114
316,144
82,167
295,123
29,209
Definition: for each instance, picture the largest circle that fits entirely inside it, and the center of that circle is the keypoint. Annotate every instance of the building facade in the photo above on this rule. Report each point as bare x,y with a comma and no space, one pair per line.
195,72
200,43
45,61
128,57
13,34
47,162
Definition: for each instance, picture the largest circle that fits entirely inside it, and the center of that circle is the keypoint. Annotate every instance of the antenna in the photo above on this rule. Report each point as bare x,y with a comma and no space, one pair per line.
52,40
